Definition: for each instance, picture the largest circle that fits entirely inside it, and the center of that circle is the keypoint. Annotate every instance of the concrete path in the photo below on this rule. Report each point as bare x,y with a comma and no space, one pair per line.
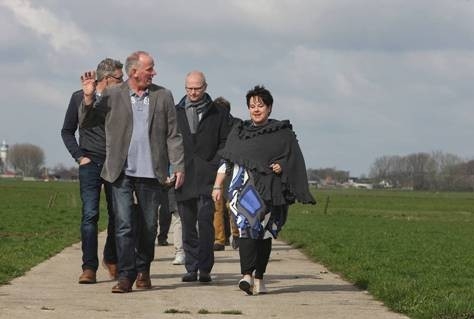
298,288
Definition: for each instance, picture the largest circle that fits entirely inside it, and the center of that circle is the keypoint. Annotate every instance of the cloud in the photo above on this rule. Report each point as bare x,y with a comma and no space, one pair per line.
61,34
357,79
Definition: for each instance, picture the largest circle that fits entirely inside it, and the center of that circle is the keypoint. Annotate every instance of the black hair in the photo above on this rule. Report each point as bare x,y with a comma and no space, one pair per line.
261,92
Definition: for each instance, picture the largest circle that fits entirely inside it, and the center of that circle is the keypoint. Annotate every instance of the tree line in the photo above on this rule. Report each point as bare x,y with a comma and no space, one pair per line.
425,171
417,171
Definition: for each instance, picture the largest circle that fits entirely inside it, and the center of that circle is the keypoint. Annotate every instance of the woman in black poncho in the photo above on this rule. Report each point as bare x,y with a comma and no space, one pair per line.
268,173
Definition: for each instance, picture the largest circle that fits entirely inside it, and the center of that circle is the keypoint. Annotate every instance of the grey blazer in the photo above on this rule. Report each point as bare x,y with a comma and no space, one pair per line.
115,108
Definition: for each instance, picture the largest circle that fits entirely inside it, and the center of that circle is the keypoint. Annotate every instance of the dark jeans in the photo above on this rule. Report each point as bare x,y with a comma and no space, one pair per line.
164,217
90,188
198,243
136,225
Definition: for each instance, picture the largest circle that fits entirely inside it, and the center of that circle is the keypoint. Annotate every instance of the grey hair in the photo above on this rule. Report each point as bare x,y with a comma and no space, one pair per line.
133,60
107,67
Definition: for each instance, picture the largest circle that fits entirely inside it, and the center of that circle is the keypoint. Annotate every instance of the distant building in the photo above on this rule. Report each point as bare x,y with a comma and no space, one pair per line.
3,156
357,184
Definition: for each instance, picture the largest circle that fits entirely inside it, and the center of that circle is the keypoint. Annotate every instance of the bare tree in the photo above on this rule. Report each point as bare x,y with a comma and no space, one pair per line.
27,158
423,171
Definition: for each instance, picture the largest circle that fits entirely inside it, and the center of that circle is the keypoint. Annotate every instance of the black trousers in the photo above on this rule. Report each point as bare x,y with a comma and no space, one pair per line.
254,255
198,244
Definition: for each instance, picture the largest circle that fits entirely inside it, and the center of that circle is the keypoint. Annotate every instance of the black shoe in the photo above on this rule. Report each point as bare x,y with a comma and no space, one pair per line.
205,277
235,242
218,247
190,277
163,243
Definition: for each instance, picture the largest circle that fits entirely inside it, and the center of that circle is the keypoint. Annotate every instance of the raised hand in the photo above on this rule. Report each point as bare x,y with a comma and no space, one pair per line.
88,86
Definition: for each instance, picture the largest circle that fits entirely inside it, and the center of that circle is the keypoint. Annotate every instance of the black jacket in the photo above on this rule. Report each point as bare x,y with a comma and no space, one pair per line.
200,150
91,140
257,147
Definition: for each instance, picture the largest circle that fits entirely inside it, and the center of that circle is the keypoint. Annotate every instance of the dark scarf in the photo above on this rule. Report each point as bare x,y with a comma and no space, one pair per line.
196,110
256,147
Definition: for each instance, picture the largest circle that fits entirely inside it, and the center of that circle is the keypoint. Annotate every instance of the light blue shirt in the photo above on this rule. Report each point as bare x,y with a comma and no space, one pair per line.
139,153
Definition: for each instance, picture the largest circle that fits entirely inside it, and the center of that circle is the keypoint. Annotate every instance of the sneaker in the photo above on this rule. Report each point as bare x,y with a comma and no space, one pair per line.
178,259
218,247
259,287
245,284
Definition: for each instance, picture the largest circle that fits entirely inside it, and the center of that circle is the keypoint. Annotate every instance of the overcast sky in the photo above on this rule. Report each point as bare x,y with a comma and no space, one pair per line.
357,79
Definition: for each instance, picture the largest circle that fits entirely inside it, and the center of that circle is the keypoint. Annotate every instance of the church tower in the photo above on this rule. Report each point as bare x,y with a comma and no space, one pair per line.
3,156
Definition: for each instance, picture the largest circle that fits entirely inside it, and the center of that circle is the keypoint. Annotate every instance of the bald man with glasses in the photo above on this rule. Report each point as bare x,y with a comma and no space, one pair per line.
204,128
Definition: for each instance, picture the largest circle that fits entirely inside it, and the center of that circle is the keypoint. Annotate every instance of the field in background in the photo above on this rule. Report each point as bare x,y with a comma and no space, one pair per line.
37,220
412,250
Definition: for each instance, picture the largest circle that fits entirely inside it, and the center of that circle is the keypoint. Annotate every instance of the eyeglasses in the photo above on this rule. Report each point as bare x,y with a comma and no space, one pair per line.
118,78
195,89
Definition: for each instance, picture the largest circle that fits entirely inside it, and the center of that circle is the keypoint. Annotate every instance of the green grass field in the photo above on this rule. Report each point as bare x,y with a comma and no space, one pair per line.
37,220
412,250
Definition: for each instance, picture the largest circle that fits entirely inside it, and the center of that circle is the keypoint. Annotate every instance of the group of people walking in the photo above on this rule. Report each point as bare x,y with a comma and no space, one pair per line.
136,143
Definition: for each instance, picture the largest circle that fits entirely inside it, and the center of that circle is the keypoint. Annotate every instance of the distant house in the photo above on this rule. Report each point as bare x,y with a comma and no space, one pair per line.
353,184
314,183
8,174
384,184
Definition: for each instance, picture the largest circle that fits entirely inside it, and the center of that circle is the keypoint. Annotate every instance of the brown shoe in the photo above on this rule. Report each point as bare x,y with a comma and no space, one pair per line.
111,268
123,286
87,277
143,281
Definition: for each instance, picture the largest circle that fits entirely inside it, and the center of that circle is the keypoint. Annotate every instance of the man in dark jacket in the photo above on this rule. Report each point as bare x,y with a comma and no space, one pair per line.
89,153
204,128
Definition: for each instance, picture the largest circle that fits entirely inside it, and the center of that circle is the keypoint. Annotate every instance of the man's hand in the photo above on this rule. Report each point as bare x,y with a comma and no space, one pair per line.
88,86
84,160
179,180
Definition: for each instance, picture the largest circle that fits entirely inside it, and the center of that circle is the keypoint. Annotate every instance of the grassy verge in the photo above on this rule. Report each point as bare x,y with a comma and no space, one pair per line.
37,220
412,250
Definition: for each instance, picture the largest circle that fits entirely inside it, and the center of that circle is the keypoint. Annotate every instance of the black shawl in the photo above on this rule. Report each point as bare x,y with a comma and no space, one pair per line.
257,147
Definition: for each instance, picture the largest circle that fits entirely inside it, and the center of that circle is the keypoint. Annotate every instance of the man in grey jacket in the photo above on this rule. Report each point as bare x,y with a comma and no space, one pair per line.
142,140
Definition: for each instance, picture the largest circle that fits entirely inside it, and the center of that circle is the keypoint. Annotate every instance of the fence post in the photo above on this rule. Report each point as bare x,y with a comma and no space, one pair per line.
326,205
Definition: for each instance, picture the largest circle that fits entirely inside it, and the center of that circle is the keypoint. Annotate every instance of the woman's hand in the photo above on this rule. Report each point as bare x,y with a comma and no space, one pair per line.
276,168
216,194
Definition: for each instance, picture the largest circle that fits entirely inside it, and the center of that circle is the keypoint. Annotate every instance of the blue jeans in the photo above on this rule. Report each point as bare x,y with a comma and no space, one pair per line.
90,188
136,224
